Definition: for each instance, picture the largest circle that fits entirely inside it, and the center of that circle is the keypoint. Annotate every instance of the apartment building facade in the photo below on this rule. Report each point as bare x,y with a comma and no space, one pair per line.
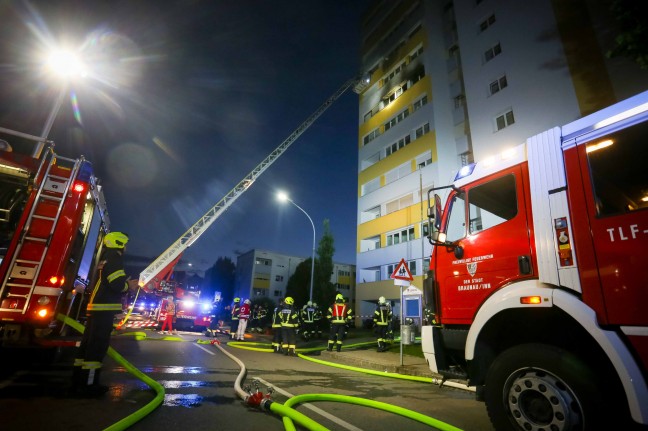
452,82
263,273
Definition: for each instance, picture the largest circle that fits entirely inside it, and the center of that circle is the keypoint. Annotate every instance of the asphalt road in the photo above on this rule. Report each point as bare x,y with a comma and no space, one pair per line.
198,381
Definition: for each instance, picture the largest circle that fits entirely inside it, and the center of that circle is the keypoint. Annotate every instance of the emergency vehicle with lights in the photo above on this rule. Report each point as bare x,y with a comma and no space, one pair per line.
191,313
53,218
538,278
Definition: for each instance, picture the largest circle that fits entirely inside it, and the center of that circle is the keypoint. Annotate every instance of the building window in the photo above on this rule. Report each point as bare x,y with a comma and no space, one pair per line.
279,278
367,116
277,293
487,23
370,186
419,103
402,235
492,52
401,143
265,262
497,85
398,204
422,130
371,136
459,101
504,120
397,119
412,266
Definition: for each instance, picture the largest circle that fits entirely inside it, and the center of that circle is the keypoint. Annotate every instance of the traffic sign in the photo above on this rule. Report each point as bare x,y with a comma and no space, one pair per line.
402,272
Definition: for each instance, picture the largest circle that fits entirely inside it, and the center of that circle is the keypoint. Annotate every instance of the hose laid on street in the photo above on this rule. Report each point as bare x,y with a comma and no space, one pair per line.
289,415
159,389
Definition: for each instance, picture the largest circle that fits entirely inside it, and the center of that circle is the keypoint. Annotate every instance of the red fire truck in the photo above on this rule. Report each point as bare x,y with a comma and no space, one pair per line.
538,281
191,313
52,221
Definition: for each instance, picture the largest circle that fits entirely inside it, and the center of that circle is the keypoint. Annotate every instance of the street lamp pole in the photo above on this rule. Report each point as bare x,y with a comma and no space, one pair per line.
284,197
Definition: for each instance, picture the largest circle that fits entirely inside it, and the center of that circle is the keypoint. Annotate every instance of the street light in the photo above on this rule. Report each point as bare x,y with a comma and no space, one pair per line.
283,197
64,65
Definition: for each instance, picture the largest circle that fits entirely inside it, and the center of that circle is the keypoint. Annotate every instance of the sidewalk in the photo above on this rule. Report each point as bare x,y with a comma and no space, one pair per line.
389,361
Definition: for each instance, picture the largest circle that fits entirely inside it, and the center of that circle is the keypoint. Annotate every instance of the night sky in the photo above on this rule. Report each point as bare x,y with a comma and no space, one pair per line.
183,99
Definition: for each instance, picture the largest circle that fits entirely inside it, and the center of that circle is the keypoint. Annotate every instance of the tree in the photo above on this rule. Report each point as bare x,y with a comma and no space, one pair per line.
323,290
221,278
299,283
632,38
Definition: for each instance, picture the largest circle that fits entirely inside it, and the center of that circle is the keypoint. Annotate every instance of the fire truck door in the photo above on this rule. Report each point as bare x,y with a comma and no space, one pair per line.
488,225
616,192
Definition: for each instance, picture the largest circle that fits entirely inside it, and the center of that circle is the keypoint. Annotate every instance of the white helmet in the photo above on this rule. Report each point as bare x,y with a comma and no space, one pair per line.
309,303
381,300
247,301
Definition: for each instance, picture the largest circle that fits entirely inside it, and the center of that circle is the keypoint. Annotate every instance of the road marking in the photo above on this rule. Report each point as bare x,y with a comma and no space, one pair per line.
317,410
206,350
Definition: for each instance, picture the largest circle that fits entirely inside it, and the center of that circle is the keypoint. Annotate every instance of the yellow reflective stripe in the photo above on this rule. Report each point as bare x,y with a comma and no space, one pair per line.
115,275
96,288
91,365
125,287
104,307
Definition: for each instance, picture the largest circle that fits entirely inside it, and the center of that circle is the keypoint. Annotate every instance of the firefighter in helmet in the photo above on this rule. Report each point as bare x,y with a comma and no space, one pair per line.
236,311
308,319
289,323
105,302
382,317
276,327
339,314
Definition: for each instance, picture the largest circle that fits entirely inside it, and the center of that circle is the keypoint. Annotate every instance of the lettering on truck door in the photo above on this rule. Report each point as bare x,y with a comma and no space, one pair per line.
616,193
488,221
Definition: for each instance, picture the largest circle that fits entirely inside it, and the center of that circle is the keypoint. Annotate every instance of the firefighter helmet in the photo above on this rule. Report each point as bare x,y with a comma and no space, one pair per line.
237,299
339,298
381,300
115,240
309,303
247,301
289,300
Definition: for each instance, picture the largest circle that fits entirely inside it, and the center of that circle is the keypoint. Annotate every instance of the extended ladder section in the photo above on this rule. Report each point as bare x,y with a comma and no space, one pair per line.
20,281
176,249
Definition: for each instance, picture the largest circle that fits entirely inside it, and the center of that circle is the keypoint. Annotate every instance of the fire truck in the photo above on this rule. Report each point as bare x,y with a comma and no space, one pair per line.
191,313
53,218
538,278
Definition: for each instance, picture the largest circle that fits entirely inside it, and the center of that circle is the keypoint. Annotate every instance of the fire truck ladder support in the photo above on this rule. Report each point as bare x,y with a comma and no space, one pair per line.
201,226
34,243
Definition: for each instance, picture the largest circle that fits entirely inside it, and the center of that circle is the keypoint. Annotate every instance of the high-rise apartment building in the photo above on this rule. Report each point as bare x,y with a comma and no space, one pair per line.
452,82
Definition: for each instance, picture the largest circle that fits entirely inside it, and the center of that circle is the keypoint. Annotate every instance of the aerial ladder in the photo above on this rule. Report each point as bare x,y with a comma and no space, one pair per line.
164,264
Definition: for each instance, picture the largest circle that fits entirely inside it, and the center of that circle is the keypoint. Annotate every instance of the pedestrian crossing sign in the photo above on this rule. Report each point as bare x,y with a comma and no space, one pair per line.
402,272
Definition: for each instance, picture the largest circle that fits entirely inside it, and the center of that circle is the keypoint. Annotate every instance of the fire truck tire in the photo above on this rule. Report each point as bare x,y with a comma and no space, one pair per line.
541,387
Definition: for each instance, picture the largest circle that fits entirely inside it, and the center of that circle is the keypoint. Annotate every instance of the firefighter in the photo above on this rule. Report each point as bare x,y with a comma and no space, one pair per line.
317,320
308,319
262,316
236,310
276,327
244,316
105,302
289,323
382,317
339,314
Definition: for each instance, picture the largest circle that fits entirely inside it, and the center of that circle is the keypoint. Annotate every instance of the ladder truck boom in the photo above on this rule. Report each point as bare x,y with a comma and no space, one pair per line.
171,255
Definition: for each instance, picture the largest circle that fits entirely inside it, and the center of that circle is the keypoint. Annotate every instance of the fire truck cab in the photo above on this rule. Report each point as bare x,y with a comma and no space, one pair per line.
538,277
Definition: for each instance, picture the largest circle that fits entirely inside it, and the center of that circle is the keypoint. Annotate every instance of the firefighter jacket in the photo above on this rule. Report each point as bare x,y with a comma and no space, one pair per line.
382,315
289,317
317,316
244,312
107,294
276,317
236,310
308,314
339,314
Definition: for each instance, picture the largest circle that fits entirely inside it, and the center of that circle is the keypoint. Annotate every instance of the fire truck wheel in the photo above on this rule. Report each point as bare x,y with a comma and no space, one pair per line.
540,387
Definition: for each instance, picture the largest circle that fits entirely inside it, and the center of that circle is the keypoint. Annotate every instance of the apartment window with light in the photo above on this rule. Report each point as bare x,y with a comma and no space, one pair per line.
492,52
497,85
504,120
487,23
